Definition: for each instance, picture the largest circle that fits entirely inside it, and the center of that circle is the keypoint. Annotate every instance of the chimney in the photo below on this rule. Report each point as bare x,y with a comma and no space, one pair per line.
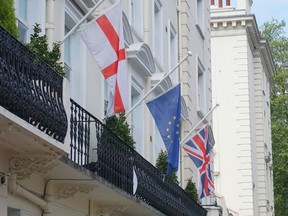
220,3
228,3
212,2
245,5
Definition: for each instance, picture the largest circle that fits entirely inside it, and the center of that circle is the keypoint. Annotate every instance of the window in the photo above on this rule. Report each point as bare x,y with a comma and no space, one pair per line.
13,212
158,31
74,55
106,93
173,52
200,14
137,15
29,12
137,116
201,89
22,21
67,55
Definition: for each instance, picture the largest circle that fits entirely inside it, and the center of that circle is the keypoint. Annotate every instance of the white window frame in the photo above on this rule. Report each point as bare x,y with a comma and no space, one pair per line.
34,11
137,115
173,51
76,66
158,31
22,24
106,95
200,14
201,89
67,60
136,17
19,212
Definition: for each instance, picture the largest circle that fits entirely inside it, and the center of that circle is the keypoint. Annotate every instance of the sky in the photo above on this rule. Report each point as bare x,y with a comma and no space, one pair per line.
265,10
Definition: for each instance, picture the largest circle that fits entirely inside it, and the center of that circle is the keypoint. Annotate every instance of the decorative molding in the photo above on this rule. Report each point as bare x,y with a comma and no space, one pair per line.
69,190
24,166
142,57
47,169
106,209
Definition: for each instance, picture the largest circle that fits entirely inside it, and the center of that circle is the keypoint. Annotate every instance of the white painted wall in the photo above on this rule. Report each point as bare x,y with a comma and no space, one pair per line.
232,120
240,126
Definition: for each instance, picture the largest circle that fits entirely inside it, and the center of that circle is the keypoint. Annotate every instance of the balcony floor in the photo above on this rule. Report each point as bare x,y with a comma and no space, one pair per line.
18,137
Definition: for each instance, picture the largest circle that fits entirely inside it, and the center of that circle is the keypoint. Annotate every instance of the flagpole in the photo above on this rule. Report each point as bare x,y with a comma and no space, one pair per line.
189,53
83,18
184,139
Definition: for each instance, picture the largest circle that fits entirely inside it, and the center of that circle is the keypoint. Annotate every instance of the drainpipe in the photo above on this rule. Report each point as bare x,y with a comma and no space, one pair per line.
180,55
15,188
50,24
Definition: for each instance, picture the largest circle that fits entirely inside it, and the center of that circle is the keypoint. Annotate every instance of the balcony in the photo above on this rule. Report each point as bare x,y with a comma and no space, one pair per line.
33,127
96,148
32,115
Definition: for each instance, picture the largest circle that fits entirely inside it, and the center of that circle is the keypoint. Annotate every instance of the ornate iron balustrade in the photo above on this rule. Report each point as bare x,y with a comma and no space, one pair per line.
95,147
161,193
30,89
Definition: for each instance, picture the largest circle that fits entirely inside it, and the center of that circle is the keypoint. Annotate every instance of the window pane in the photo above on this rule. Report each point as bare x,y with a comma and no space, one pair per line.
200,13
22,32
158,33
23,9
201,90
67,46
136,7
13,212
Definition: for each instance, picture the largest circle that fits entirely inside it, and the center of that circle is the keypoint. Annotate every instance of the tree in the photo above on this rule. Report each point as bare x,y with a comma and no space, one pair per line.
274,32
118,125
7,17
39,46
191,189
161,164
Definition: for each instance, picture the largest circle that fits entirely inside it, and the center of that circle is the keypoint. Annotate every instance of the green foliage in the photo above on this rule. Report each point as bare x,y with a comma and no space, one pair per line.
161,164
191,189
275,34
118,125
39,45
7,17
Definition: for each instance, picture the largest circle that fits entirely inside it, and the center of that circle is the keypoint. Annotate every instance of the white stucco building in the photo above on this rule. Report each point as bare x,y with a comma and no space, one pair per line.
242,68
56,157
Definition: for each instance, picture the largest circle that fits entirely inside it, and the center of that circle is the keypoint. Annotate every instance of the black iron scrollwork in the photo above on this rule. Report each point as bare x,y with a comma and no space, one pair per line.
117,163
30,89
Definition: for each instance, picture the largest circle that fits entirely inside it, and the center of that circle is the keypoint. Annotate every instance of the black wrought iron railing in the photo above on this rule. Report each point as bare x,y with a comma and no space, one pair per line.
30,89
95,147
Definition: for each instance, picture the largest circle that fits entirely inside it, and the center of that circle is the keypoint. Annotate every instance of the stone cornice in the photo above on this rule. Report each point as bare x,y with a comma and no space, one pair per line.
224,22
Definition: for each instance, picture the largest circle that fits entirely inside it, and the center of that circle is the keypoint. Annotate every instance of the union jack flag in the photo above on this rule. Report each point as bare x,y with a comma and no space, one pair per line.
198,149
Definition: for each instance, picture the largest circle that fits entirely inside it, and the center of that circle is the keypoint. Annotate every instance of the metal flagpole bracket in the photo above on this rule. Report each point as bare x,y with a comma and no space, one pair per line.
184,139
189,53
82,20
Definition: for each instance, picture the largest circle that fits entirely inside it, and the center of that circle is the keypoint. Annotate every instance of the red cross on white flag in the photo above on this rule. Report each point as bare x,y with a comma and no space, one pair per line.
104,38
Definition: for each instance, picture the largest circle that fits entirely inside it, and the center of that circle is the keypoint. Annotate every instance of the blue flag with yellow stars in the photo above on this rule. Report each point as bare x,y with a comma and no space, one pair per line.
166,110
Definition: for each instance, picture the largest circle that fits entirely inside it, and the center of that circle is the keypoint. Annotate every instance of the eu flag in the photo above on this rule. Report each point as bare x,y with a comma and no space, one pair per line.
166,110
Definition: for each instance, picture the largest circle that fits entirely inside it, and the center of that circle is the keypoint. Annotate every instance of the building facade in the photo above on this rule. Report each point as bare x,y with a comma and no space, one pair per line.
196,76
242,80
57,158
